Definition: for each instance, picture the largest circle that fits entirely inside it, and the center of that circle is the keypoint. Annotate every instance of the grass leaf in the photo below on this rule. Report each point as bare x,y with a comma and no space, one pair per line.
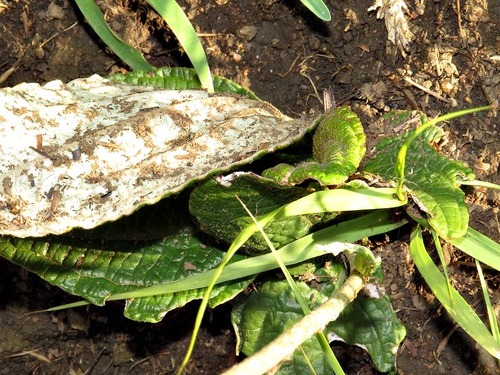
130,56
319,8
480,247
180,25
456,306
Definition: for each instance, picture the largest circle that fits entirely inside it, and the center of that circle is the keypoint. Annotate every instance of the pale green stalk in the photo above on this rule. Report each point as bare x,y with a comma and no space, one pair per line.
286,343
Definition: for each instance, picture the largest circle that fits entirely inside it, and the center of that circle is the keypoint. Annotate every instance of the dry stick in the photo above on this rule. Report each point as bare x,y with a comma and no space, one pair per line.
459,19
285,344
450,101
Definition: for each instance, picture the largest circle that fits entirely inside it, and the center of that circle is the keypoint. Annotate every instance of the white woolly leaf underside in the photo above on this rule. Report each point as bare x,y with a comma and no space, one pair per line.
90,151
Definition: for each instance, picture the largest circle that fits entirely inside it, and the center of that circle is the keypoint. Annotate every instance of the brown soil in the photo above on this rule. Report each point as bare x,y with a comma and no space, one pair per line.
286,56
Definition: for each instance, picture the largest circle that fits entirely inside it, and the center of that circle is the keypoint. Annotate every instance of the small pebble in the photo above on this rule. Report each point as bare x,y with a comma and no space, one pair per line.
237,57
54,11
248,32
314,43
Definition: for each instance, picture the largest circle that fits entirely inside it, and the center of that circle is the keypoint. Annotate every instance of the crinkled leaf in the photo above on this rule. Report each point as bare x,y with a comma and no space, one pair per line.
96,269
178,79
375,327
431,180
338,147
215,207
267,312
91,151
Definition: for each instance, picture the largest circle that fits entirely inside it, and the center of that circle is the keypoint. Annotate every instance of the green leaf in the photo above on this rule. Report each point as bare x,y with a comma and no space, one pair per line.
319,8
372,324
219,213
267,312
338,147
455,304
180,25
131,56
480,247
311,246
94,270
178,79
431,180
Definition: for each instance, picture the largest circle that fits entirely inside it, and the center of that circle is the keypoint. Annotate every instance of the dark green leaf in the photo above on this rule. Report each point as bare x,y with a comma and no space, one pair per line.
338,147
367,322
431,180
372,324
179,79
215,207
267,312
94,270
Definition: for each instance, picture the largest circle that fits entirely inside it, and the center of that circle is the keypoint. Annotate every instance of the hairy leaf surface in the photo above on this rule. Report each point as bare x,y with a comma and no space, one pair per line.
368,322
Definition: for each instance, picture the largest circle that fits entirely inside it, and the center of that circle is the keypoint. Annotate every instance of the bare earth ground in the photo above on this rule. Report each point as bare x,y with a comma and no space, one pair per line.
287,57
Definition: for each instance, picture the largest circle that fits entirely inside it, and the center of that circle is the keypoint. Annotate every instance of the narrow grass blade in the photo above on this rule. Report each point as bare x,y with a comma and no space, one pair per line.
327,201
480,247
130,56
320,336
439,250
457,307
319,8
307,247
479,183
180,25
492,318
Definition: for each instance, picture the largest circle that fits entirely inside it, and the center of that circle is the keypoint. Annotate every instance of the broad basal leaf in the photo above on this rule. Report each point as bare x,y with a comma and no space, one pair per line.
431,180
372,324
218,212
338,147
367,322
91,151
94,270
